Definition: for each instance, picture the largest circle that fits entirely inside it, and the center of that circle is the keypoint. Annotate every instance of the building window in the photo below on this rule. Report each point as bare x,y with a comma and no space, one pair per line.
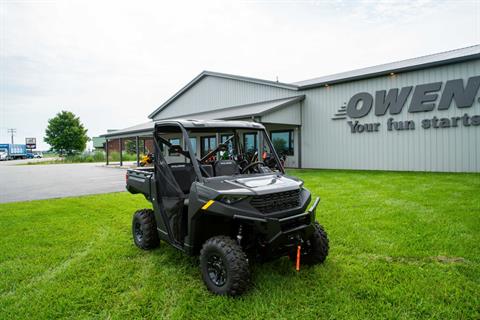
173,141
283,141
250,142
207,144
224,138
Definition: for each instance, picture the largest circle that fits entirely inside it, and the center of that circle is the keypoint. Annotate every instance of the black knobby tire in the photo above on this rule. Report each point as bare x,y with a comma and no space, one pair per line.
319,246
144,229
224,266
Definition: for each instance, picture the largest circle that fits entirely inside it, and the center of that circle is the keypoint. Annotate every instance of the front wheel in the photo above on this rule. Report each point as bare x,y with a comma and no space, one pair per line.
224,266
317,251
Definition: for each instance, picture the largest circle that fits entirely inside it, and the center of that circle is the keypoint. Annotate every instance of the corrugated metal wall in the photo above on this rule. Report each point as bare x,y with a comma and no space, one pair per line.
329,143
287,115
213,93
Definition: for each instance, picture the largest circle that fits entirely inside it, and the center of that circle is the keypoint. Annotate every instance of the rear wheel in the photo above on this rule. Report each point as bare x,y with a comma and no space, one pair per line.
144,229
224,266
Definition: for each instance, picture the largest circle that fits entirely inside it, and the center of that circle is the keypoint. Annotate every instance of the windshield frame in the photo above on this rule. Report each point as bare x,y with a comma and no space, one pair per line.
196,161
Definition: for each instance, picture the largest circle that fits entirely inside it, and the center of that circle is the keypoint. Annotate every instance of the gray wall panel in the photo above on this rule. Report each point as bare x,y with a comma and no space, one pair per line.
286,115
214,93
329,144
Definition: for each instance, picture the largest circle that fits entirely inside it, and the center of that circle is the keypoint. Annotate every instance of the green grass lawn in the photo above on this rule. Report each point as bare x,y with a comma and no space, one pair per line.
403,245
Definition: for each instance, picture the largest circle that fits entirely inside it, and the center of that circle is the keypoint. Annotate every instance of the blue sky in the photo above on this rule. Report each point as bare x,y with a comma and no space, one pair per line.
113,62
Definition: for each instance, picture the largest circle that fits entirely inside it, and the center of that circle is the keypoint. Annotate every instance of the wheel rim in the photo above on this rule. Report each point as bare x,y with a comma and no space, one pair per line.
217,272
138,232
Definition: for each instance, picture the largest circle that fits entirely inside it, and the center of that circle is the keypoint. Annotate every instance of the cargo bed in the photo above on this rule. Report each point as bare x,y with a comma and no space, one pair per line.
140,181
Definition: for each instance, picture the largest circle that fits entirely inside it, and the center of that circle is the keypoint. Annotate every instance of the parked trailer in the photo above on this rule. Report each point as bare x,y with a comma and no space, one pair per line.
10,151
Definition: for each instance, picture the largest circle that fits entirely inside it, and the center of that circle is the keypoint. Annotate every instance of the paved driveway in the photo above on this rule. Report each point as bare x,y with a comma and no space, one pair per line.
32,182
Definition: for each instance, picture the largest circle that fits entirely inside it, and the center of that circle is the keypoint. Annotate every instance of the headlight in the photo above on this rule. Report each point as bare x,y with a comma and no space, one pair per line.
230,199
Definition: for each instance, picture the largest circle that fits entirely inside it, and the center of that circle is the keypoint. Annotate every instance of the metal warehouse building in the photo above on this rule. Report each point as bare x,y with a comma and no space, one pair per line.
421,114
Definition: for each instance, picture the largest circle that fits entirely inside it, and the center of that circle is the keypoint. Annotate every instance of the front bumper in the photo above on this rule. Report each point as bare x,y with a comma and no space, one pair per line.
281,235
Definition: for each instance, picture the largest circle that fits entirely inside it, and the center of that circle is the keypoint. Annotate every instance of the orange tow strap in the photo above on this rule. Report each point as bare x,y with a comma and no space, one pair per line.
298,258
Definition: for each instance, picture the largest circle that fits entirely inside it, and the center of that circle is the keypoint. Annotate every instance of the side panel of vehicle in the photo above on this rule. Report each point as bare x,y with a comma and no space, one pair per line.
18,151
207,219
14,151
141,181
161,227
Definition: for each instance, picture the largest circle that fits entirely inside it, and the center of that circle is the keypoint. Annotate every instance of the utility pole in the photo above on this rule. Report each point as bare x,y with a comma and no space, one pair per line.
12,132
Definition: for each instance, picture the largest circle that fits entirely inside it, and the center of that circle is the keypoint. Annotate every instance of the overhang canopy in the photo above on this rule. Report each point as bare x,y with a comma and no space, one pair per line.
283,111
140,130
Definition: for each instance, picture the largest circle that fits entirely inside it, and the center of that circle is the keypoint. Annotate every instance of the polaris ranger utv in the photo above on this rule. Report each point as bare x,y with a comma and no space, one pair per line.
231,205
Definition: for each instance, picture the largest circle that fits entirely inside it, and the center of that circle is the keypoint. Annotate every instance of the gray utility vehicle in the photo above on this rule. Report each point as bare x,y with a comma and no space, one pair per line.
232,205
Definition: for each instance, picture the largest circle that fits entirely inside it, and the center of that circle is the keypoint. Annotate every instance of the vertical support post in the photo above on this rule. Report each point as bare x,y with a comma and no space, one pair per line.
144,148
299,143
120,142
106,150
217,138
137,150
299,146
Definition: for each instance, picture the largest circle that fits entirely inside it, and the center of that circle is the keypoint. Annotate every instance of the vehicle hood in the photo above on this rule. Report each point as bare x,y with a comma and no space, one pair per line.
255,185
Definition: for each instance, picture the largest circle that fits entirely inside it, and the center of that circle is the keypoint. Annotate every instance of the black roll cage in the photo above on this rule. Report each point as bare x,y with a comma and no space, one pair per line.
191,155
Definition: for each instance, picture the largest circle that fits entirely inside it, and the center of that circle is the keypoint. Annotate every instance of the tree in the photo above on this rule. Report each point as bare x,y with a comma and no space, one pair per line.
280,145
66,134
131,147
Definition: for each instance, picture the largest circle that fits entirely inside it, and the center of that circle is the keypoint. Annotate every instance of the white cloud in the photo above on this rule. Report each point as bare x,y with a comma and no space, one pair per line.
113,62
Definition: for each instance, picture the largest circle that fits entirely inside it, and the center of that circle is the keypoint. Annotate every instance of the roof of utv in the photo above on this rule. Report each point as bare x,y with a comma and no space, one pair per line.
198,124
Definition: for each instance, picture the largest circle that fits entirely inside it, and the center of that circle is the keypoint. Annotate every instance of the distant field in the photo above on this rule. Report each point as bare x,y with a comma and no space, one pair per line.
403,246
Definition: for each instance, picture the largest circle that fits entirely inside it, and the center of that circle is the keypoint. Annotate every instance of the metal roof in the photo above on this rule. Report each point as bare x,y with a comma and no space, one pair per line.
205,73
198,124
458,55
244,111
145,128
236,112
437,59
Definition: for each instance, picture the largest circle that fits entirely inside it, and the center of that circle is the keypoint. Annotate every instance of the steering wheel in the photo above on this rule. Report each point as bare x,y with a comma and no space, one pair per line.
251,165
271,162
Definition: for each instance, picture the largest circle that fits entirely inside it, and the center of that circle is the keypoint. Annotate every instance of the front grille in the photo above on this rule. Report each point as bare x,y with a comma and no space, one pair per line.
293,223
268,203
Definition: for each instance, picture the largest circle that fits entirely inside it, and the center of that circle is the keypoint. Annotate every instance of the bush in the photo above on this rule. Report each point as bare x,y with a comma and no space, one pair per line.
96,156
115,156
99,156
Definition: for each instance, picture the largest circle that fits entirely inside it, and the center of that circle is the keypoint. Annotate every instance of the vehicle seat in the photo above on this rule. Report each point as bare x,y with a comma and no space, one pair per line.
184,175
175,148
226,168
208,168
